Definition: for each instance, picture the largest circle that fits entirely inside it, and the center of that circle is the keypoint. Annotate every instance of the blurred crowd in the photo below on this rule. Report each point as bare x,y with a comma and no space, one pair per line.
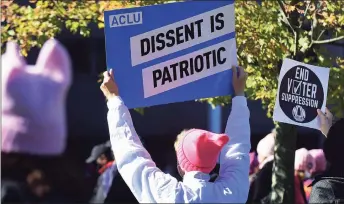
35,169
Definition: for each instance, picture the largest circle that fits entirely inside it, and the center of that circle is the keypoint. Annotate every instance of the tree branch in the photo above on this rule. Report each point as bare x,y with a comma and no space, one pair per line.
240,50
322,32
328,40
284,13
304,15
308,5
286,20
314,24
296,40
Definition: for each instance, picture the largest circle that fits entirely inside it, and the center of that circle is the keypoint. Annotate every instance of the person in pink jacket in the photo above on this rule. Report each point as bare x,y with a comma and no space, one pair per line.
197,154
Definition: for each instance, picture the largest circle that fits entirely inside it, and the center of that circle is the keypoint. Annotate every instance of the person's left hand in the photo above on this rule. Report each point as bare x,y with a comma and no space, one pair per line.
109,86
239,82
325,121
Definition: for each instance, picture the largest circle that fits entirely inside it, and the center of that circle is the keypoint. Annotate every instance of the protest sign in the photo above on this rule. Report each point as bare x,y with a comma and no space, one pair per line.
171,52
302,89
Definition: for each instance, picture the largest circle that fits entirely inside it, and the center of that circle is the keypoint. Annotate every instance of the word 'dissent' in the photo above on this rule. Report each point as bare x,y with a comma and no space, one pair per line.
125,19
181,35
188,68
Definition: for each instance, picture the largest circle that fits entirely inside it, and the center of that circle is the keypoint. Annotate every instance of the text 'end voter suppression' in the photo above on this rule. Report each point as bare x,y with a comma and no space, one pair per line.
306,92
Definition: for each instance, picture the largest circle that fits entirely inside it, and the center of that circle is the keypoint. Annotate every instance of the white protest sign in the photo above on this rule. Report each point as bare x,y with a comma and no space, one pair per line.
302,89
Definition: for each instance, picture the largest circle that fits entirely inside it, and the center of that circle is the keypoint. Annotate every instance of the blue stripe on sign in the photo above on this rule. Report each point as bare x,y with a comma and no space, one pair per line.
259,2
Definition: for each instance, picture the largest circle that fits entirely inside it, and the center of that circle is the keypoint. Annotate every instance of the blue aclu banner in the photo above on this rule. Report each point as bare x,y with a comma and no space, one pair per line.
171,52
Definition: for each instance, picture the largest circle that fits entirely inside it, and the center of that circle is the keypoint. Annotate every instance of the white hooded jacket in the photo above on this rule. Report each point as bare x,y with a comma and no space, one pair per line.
150,185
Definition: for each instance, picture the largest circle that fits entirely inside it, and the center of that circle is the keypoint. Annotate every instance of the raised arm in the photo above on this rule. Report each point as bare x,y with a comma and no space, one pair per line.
147,182
234,158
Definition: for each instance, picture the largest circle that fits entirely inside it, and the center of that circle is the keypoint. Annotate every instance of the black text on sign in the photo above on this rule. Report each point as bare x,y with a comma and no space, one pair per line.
181,35
300,94
188,68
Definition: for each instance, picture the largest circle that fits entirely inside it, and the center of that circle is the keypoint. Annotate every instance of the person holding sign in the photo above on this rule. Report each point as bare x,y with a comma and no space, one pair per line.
197,153
329,187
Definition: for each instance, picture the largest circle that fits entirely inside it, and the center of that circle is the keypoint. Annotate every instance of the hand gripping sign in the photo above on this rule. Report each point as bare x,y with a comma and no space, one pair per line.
171,52
302,89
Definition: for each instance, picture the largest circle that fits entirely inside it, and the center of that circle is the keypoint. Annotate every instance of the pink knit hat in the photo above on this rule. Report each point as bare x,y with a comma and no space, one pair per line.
304,161
199,150
320,160
265,147
33,100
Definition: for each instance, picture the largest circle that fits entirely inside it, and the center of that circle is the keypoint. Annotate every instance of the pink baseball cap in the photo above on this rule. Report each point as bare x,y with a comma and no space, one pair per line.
199,150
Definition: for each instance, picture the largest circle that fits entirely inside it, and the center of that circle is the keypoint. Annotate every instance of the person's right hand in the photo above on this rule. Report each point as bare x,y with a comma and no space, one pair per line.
239,82
325,121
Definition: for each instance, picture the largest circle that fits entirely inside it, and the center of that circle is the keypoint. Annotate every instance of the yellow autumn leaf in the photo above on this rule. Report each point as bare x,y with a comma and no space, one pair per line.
331,19
289,8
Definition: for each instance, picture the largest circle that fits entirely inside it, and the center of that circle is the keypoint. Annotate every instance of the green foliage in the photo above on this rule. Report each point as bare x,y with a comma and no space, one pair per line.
265,35
32,25
140,110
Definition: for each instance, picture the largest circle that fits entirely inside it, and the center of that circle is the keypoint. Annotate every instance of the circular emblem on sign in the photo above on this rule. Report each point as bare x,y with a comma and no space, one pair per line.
301,94
299,113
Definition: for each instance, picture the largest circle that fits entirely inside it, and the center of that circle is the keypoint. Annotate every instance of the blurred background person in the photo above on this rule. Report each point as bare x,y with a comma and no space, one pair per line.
304,164
260,190
320,161
261,180
33,168
104,168
320,167
329,187
253,162
109,187
101,158
254,165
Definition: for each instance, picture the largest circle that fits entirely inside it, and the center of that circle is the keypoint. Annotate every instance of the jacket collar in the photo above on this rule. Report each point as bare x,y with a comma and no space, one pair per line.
106,166
195,176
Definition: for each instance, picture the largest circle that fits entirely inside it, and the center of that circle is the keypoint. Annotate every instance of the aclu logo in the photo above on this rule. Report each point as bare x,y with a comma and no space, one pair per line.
125,19
299,113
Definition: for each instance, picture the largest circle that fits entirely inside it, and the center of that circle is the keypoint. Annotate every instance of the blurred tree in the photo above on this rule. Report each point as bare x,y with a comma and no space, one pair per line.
266,34
34,23
296,29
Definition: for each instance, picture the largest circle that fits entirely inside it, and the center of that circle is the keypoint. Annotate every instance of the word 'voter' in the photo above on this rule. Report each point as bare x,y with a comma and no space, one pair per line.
306,89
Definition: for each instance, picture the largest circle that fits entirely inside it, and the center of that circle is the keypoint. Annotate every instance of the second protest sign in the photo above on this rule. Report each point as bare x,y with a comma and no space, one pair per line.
302,91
